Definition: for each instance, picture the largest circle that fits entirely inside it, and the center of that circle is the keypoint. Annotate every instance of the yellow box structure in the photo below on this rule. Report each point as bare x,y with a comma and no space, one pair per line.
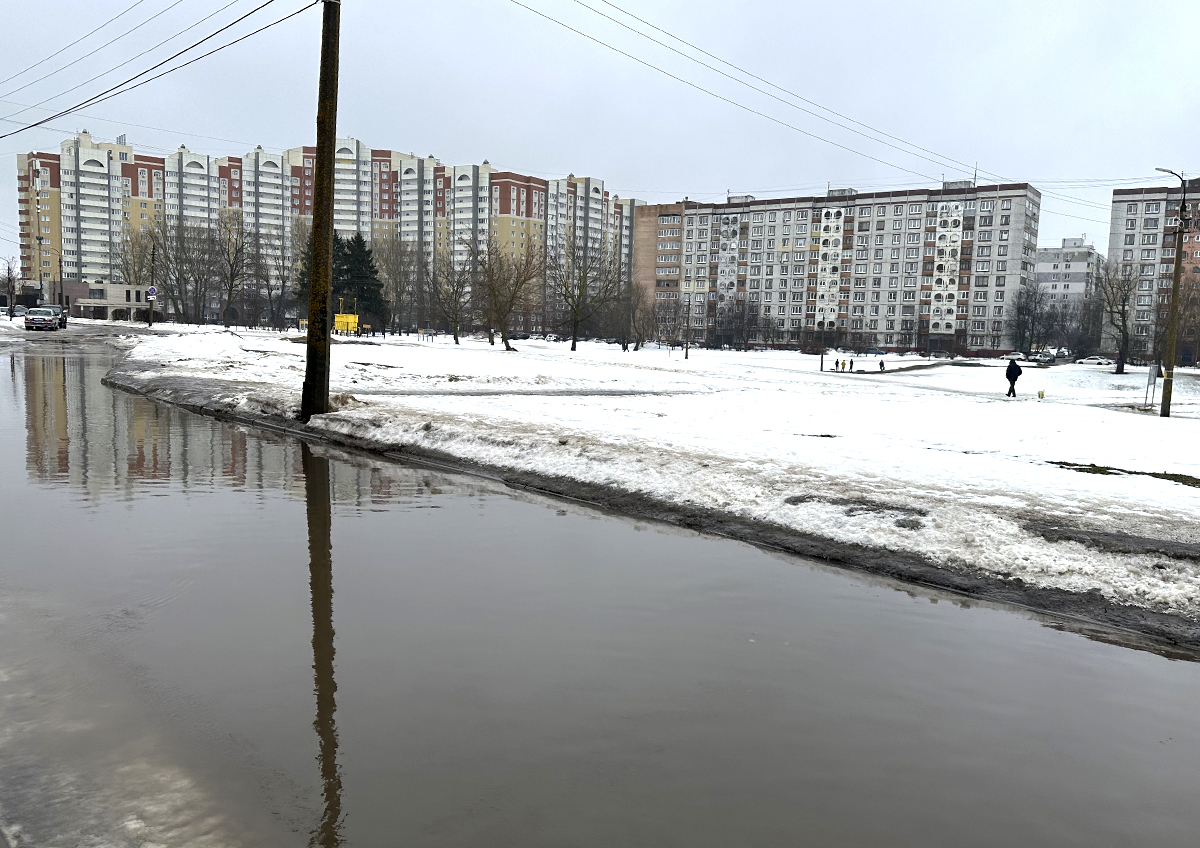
345,323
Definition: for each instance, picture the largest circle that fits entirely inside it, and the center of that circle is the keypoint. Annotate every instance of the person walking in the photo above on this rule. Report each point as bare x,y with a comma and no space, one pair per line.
1012,373
881,365
851,366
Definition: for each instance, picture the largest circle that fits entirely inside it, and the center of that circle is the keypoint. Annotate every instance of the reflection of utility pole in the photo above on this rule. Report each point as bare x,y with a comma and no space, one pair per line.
1173,317
314,399
327,834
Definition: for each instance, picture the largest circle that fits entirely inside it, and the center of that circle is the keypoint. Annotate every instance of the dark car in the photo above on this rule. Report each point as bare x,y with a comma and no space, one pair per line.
59,313
41,318
876,352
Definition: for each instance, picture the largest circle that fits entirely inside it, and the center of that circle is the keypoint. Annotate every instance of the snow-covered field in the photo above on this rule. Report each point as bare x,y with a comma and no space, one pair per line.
932,461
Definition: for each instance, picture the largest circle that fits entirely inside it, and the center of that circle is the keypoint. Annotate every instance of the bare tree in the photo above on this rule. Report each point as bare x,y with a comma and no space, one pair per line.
643,322
584,277
1027,317
1189,315
185,266
231,244
136,254
450,290
400,267
272,270
504,281
10,278
1117,287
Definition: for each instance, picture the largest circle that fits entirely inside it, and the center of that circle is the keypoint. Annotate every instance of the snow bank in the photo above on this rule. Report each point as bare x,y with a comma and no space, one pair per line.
932,462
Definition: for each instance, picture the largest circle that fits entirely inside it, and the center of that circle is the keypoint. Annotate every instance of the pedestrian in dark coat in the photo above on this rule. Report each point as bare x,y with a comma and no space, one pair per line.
1013,372
851,366
881,365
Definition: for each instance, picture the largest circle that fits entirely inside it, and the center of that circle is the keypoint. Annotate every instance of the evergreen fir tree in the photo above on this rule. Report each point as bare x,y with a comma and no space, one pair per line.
304,277
355,277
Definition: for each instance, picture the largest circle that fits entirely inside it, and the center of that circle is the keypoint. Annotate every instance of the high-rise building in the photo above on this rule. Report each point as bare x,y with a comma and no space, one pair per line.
1141,240
1066,275
77,205
927,269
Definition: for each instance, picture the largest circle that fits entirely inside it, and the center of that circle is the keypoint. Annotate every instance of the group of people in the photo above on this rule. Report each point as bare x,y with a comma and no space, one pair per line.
840,365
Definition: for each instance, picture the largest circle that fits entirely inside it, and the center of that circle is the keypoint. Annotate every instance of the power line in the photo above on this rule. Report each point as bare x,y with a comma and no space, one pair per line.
73,43
711,93
148,70
95,51
120,65
761,114
184,133
947,159
940,159
117,89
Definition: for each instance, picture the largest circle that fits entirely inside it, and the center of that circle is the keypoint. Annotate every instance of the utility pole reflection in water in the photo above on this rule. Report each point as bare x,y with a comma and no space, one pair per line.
320,570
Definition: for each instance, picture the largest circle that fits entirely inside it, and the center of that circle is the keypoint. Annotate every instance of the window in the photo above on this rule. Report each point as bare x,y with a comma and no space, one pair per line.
999,296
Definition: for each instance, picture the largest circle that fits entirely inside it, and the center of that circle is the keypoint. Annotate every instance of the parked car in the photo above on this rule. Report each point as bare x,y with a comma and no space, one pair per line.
1016,354
59,313
19,311
941,354
41,319
1094,360
1044,357
876,352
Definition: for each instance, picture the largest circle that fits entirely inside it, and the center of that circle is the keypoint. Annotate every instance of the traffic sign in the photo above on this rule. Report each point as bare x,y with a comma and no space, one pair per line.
152,291
151,297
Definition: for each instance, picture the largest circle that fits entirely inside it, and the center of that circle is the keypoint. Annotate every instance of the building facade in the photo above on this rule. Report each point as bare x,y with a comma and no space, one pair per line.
76,207
1141,242
925,269
1067,274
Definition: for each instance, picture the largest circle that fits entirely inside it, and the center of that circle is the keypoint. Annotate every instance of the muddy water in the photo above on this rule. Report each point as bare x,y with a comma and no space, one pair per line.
210,636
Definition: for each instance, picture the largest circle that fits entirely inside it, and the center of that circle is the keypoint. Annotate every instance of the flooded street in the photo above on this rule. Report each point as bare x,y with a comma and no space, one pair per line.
212,636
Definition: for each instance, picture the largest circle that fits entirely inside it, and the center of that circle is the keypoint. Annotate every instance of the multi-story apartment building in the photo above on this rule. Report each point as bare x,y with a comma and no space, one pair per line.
1067,274
76,206
930,269
1141,239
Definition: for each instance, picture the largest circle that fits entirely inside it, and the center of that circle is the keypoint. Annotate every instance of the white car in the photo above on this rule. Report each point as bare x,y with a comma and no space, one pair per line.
1016,354
1094,360
1044,357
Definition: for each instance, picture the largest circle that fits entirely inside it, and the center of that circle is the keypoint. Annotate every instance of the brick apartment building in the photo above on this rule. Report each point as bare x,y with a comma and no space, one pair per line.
76,206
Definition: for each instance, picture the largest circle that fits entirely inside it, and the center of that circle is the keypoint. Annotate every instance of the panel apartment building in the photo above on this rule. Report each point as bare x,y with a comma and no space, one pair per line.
76,205
1142,239
928,269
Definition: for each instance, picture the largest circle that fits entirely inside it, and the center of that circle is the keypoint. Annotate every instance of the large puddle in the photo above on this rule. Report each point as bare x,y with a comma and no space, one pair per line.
210,636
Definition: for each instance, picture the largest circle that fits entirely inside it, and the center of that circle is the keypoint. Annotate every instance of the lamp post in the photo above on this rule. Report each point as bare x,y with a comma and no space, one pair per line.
1173,315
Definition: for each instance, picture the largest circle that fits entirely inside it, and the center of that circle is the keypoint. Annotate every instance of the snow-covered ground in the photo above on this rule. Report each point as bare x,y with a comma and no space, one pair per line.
924,458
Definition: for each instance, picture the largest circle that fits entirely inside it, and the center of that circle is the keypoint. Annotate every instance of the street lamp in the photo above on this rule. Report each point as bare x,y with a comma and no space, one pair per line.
1173,315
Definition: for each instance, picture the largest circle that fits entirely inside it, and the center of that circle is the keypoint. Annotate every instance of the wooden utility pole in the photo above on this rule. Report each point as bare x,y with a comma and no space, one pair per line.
315,397
1173,318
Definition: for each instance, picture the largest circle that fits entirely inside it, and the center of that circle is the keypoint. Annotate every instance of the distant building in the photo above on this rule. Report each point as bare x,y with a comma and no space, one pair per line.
76,206
1142,239
1067,274
915,269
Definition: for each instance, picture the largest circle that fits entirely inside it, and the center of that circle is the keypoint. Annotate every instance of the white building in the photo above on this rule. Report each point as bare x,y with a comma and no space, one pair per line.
1142,239
1067,274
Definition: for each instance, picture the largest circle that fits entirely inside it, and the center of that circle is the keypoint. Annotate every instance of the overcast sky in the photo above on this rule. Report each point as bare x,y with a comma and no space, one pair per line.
1074,97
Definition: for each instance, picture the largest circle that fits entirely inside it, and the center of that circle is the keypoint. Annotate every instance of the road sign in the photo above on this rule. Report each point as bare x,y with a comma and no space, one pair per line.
152,291
151,297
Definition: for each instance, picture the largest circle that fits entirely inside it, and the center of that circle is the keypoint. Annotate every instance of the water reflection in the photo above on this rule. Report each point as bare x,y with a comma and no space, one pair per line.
107,443
328,832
